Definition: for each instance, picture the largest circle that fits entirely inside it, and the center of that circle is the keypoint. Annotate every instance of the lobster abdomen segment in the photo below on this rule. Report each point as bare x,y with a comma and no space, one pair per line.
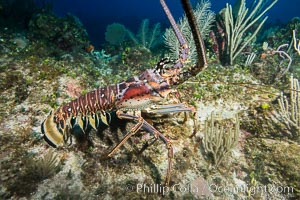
97,100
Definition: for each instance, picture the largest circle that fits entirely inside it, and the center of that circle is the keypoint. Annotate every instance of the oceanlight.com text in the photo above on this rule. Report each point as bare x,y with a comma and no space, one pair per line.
251,190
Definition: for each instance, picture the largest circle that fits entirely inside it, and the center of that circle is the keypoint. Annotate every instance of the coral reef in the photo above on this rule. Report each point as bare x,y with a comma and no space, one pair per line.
66,33
38,74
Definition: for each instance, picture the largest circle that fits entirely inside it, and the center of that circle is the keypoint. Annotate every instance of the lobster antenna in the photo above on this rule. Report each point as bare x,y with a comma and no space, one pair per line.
201,54
184,50
200,47
178,33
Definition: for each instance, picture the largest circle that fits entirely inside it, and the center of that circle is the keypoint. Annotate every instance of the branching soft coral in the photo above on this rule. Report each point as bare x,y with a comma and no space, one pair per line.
147,36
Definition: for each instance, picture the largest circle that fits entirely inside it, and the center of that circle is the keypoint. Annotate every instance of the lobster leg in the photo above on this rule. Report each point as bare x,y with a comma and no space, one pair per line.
141,123
135,129
148,127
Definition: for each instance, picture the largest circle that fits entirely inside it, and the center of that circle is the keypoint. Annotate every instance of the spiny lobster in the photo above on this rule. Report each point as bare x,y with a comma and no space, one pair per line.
136,93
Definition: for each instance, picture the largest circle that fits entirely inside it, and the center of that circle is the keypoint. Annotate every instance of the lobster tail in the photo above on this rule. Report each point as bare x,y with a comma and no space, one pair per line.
58,133
52,135
82,113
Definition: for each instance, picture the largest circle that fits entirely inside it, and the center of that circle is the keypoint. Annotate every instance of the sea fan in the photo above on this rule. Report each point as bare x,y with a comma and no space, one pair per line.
115,33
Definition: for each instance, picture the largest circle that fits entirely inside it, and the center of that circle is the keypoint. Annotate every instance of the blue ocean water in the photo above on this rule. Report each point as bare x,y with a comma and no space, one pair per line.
96,15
